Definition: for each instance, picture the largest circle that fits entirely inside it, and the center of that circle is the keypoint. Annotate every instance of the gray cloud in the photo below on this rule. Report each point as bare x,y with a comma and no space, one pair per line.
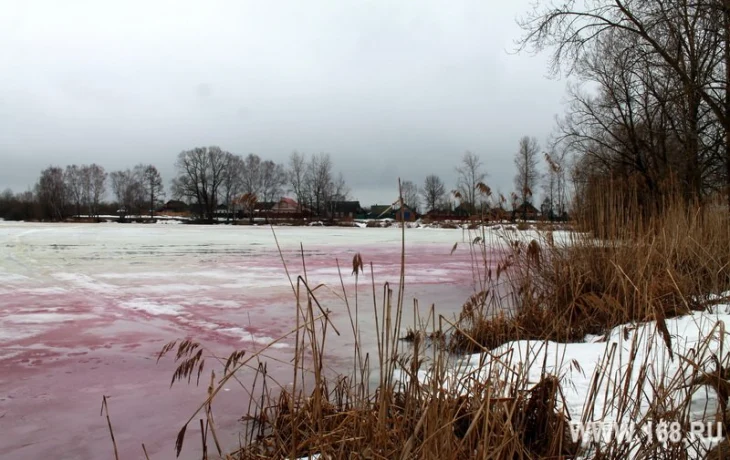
389,89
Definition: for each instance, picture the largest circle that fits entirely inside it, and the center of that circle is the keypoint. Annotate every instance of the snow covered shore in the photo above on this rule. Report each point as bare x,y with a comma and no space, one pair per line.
630,375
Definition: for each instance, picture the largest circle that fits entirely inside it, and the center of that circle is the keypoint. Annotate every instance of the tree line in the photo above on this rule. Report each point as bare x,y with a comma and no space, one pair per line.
649,110
210,178
206,177
80,190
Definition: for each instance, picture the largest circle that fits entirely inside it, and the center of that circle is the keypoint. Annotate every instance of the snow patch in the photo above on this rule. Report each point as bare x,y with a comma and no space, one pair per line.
247,336
12,334
45,291
697,337
45,317
152,308
84,282
167,289
12,278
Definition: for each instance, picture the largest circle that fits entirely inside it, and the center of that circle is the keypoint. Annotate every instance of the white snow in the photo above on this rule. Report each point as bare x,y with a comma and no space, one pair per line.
638,349
42,318
84,282
8,334
171,288
152,308
251,337
44,290
12,278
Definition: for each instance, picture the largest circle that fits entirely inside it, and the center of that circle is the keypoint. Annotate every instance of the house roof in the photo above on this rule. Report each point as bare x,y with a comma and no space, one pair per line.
459,211
379,210
264,205
175,203
289,201
346,206
527,207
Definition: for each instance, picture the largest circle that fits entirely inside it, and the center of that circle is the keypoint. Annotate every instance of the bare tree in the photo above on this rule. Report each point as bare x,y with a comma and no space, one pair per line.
319,179
200,175
95,185
470,174
433,191
252,174
297,175
51,193
74,186
336,191
152,183
686,44
411,195
85,186
273,180
27,202
251,183
340,190
526,161
120,181
232,185
129,191
555,182
20,206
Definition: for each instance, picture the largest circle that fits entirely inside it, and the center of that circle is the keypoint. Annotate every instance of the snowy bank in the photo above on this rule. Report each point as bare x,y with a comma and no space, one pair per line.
628,375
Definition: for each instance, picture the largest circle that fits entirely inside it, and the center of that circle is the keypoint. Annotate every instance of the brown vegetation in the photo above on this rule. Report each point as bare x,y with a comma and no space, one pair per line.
558,292
651,267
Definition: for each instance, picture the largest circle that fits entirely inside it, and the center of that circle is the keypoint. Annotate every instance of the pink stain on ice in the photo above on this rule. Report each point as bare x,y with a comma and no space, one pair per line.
70,334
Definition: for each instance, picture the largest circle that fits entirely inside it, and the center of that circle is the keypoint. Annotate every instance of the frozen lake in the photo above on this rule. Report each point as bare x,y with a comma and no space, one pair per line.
84,309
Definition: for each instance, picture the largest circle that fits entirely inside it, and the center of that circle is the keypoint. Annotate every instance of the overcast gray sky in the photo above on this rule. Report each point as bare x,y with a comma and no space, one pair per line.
387,88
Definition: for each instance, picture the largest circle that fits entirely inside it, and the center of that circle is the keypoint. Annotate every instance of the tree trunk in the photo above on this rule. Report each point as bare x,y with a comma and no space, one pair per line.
726,122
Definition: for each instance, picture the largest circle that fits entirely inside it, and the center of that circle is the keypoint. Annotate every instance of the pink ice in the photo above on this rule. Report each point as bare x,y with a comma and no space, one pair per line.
84,310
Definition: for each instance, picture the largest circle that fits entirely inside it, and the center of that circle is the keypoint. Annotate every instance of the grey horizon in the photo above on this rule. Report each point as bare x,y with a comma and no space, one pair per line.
387,90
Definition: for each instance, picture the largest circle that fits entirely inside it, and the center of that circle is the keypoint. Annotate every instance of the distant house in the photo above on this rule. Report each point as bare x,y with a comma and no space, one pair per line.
287,206
405,214
392,212
345,209
175,206
498,214
222,211
459,213
264,206
381,212
526,211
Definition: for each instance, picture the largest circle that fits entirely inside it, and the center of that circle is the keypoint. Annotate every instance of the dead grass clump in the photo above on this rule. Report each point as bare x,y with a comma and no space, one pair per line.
546,431
428,424
563,292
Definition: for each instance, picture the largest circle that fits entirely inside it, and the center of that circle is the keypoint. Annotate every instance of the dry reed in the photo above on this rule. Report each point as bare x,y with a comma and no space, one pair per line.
539,290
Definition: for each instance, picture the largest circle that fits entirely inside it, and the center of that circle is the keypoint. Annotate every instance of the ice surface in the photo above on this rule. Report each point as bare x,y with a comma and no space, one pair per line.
85,308
152,308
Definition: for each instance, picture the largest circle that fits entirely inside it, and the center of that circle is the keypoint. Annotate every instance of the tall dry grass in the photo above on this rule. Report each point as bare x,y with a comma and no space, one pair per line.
662,265
412,400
